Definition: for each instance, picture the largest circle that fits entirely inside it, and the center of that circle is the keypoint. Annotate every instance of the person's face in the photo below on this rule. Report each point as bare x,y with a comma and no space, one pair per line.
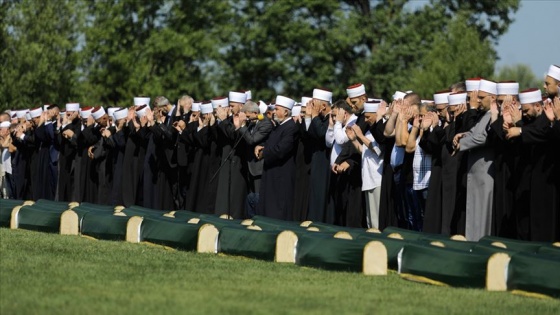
103,121
53,113
551,86
358,103
4,132
195,115
235,107
303,110
71,115
280,113
441,110
269,114
530,111
370,118
484,99
251,116
36,121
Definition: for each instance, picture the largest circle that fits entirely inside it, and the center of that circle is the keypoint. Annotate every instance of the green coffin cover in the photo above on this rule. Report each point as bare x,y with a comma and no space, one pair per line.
441,265
169,232
534,273
272,221
325,227
490,250
410,235
217,221
326,252
6,207
515,245
52,204
104,226
449,243
393,247
142,212
185,215
240,241
272,226
95,207
38,218
549,250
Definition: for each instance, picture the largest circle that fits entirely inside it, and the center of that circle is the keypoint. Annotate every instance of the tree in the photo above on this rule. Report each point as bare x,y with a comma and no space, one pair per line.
520,73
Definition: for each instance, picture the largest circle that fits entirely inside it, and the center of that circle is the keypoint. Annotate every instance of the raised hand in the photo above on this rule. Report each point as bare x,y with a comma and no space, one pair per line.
473,102
350,133
549,111
382,109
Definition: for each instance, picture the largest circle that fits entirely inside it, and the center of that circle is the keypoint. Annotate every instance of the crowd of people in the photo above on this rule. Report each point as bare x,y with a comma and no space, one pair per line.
481,158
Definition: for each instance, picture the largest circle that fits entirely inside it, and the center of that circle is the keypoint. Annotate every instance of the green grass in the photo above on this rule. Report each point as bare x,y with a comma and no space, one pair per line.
53,274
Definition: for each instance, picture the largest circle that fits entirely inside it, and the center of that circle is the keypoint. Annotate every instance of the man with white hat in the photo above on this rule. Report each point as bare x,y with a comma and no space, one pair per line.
101,155
6,176
279,151
69,132
552,82
480,176
117,144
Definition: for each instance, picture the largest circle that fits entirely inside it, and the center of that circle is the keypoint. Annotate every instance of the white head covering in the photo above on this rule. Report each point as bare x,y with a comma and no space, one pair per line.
371,107
508,88
262,107
487,86
285,102
196,106
305,100
139,101
530,96
36,112
220,102
141,110
206,108
554,72
73,107
248,95
441,97
111,111
120,114
472,84
399,95
5,124
322,95
46,107
457,98
27,116
85,112
21,113
237,97
98,112
296,110
356,90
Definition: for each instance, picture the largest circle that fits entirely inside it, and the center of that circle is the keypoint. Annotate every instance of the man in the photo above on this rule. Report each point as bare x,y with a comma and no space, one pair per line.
101,154
187,108
480,176
552,82
68,133
277,189
117,143
6,187
255,129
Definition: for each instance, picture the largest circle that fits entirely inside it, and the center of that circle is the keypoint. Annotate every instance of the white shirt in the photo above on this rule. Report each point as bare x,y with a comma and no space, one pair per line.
336,137
6,161
372,165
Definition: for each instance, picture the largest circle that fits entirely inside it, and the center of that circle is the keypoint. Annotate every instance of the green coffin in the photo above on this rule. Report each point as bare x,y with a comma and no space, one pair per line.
6,208
240,241
169,232
393,247
443,266
40,218
104,225
218,222
534,273
515,245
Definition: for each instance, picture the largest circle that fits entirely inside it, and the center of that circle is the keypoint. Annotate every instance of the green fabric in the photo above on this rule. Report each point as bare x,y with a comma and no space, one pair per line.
240,241
278,222
103,225
217,222
410,235
449,243
515,245
534,273
185,215
549,250
449,266
38,218
93,206
393,247
330,253
324,227
52,204
489,249
170,232
142,212
278,226
6,207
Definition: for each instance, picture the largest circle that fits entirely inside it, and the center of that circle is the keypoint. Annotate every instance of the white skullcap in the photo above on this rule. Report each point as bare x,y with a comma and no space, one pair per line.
237,97
487,86
296,110
457,98
206,108
139,101
111,111
285,102
554,72
98,112
21,113
356,90
305,100
46,107
196,106
472,84
220,102
441,97
508,88
120,114
427,101
85,112
322,95
36,112
530,96
248,95
262,107
5,124
73,107
399,95
371,107
27,116
141,110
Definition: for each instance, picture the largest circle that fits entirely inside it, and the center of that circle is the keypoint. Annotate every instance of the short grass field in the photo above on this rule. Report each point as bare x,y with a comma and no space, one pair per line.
53,274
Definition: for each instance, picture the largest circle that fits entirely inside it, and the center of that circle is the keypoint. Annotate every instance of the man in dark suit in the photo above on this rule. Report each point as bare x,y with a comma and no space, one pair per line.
279,152
255,129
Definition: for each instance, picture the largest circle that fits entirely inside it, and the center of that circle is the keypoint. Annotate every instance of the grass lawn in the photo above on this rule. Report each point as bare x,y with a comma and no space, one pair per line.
52,274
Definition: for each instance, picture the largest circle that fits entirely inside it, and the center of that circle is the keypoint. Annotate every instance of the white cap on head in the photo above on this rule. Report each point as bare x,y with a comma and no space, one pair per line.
139,101
356,90
296,110
489,87
36,112
98,112
46,107
530,96
508,88
141,110
112,110
120,113
206,108
73,107
472,84
196,106
285,102
5,124
220,102
21,113
441,97
262,107
371,107
305,100
27,116
86,112
399,95
554,72
322,95
457,98
248,95
427,101
237,97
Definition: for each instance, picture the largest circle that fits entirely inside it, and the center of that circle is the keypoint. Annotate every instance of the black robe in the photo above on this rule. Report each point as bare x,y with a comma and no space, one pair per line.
117,143
207,161
431,142
166,188
303,169
41,173
320,171
387,213
133,165
85,181
278,179
67,160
